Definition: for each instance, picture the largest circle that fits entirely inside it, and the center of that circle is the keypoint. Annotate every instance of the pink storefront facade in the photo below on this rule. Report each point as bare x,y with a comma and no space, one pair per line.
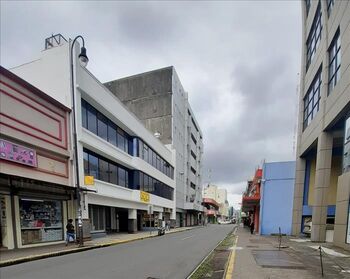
36,190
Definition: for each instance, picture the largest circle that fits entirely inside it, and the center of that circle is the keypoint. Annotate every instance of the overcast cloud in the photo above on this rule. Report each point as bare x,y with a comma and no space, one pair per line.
237,60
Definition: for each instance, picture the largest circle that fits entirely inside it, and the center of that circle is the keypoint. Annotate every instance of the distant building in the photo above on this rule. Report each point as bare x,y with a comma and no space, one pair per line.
220,197
322,180
159,100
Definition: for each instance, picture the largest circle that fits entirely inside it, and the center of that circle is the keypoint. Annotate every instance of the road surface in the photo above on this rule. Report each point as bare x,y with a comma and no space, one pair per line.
169,256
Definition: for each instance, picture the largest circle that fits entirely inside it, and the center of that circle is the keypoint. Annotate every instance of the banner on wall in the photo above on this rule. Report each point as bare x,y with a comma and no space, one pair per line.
16,153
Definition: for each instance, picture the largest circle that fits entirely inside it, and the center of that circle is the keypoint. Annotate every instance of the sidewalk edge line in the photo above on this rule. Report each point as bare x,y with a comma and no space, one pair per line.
231,262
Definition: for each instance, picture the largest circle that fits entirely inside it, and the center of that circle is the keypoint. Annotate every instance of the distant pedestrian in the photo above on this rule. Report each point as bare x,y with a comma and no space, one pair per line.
70,235
252,227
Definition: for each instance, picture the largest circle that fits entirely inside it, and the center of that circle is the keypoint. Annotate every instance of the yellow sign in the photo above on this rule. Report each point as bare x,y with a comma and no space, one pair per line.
89,180
144,196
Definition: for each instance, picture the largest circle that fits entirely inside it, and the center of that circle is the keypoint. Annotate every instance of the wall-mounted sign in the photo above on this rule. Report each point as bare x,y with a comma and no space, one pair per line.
144,196
17,153
89,180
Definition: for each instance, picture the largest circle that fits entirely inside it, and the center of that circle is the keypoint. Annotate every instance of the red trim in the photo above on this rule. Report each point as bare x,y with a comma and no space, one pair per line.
34,128
32,88
59,121
35,169
31,106
35,136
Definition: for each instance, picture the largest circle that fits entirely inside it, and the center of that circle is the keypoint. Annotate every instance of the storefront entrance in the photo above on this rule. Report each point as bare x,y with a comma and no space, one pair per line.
40,220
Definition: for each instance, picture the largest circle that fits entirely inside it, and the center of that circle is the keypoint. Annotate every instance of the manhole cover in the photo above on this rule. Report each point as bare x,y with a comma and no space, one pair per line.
275,258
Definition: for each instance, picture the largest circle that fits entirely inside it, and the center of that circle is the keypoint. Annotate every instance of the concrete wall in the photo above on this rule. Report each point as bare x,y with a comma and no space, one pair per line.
276,202
149,97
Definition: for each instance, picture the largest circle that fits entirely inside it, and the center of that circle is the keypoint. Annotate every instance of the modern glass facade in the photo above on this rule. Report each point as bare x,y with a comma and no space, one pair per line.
346,153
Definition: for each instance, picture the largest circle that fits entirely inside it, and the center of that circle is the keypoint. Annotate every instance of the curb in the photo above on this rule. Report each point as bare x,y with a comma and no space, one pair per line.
204,259
231,260
81,249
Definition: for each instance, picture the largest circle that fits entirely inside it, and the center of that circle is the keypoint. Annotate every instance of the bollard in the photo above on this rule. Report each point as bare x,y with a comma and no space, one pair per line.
279,238
321,260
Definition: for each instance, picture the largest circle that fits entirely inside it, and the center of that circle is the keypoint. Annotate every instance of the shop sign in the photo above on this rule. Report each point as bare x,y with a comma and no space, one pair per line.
144,196
17,153
89,180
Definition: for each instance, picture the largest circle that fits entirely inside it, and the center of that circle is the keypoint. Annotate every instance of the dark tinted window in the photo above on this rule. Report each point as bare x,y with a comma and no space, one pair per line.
92,121
103,170
102,126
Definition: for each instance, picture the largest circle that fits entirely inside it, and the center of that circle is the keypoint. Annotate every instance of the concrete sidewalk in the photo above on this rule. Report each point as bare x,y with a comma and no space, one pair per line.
258,257
11,257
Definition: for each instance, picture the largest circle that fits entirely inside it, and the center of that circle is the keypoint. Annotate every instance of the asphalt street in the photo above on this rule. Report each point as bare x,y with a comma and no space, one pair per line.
169,256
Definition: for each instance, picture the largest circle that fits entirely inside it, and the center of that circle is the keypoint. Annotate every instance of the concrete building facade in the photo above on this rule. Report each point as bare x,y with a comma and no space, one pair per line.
36,189
322,181
159,100
220,196
133,171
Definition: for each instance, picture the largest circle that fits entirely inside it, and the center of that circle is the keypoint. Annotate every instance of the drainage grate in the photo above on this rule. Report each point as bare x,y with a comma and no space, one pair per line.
276,259
252,246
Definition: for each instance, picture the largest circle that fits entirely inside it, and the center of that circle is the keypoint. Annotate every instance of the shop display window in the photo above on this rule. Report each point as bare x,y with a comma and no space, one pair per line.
41,220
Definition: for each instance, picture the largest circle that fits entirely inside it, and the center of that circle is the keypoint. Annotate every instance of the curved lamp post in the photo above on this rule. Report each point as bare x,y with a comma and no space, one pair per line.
83,59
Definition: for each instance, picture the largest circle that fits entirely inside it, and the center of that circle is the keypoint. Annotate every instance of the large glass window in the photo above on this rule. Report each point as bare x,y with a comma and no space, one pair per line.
346,157
153,186
334,62
312,100
92,119
40,220
112,133
105,170
314,37
150,156
102,126
103,173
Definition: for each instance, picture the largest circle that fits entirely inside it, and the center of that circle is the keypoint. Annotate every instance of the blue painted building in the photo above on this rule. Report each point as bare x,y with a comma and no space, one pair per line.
276,203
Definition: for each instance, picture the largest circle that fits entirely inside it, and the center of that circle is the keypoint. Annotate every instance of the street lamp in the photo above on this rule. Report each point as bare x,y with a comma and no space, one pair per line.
83,59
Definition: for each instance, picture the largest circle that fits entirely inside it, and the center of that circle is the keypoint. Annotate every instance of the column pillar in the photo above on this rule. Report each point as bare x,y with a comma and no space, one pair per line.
132,220
298,195
322,182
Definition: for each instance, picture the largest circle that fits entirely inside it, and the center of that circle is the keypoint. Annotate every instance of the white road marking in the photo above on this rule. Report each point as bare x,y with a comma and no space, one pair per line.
187,237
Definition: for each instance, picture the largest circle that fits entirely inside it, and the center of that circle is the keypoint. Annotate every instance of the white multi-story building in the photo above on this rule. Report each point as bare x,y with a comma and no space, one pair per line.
159,100
132,169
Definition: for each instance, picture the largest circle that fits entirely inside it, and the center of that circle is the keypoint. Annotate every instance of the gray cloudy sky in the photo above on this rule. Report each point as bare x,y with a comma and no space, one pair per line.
238,61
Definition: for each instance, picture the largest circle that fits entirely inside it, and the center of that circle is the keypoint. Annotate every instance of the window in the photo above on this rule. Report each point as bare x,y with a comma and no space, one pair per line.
193,155
93,166
314,37
83,113
193,139
113,174
102,126
112,133
334,62
330,5
193,186
193,170
312,100
346,156
91,118
307,4
121,177
103,171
